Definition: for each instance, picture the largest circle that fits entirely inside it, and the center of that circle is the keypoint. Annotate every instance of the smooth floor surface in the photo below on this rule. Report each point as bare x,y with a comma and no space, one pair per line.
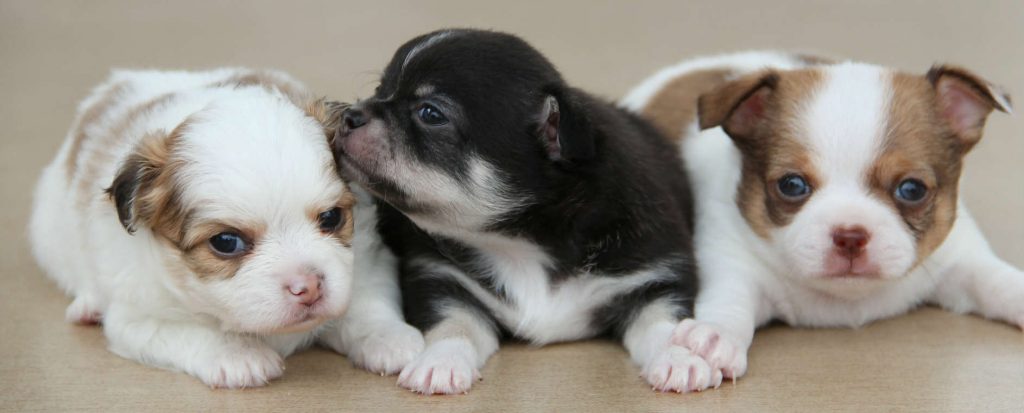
52,52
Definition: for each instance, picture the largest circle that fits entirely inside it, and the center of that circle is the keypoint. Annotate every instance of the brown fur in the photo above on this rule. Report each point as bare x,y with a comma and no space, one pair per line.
344,232
88,118
921,144
674,107
113,137
200,258
813,60
770,146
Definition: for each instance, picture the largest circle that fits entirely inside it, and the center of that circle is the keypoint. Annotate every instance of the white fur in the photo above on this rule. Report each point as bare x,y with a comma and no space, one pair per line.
541,312
250,156
747,281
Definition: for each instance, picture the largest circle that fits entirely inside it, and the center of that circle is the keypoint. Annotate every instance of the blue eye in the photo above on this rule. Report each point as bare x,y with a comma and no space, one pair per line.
431,115
794,187
911,191
329,220
228,244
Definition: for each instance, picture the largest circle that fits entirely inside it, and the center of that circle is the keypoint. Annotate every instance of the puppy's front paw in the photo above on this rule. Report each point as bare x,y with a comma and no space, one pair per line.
83,310
387,350
710,343
677,369
446,367
241,366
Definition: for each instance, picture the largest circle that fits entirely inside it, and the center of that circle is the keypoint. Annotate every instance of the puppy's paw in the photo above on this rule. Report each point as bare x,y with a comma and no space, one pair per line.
241,366
83,310
713,345
388,349
677,369
445,367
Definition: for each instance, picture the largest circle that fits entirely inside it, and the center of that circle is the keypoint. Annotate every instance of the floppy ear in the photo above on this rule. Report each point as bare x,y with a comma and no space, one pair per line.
132,189
739,106
965,100
565,129
328,113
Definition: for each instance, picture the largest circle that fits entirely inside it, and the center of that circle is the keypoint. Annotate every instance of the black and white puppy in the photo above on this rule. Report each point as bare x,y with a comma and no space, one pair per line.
525,208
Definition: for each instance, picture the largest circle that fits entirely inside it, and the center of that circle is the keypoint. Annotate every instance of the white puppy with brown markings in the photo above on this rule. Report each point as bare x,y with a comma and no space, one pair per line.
199,217
827,194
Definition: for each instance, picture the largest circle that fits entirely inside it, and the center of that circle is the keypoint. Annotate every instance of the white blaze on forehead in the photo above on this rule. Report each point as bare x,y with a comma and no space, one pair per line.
259,154
426,43
844,122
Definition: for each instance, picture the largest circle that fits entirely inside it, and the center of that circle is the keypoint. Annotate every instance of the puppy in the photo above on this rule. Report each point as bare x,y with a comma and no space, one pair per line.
528,209
827,194
199,216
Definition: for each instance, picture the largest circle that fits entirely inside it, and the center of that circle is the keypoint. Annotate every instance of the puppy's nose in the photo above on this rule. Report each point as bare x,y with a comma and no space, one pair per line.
850,242
304,288
353,118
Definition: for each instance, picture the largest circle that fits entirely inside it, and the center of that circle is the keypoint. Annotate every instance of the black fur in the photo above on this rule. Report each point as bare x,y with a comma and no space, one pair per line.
613,200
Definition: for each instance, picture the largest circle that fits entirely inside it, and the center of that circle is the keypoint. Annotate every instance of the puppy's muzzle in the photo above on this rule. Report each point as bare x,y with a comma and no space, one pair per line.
351,119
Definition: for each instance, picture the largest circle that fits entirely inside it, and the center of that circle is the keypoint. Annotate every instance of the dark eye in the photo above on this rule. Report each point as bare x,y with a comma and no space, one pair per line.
911,191
228,244
431,115
794,187
329,220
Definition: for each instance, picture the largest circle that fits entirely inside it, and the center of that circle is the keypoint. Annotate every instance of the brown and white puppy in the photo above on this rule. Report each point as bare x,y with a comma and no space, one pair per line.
199,216
827,194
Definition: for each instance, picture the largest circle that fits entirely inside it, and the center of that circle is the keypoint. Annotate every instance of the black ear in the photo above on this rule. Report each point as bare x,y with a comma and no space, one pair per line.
565,128
136,177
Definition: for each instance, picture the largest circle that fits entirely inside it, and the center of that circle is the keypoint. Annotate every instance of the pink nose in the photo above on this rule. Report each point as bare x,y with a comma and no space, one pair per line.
850,242
304,288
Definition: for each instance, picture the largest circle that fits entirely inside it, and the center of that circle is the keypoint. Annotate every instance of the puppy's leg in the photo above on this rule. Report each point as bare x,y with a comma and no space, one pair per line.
975,280
727,311
217,358
460,333
373,334
665,365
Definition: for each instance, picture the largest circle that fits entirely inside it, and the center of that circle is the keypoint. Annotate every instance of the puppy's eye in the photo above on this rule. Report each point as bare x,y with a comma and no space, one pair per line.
431,115
330,219
911,191
794,187
228,244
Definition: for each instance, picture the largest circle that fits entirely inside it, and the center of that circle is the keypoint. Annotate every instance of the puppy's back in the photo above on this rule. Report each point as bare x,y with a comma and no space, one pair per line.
669,97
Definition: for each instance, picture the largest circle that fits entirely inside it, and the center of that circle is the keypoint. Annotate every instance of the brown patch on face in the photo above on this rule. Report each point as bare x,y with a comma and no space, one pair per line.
674,107
756,111
919,145
200,257
344,232
89,117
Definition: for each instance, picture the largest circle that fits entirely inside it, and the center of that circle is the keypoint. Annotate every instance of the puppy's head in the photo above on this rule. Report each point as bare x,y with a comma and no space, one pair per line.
851,170
244,202
465,127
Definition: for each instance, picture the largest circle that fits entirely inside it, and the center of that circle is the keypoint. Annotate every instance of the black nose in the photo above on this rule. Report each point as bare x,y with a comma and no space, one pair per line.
354,118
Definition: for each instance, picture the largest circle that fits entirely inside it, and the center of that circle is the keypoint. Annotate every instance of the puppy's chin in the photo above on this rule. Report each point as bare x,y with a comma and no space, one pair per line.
295,319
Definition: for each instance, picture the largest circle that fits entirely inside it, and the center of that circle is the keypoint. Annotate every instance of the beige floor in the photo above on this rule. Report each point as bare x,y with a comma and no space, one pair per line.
52,52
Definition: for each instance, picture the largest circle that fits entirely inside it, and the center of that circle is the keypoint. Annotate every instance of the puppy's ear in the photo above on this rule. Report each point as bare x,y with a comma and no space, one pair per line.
965,100
328,113
740,106
565,129
133,188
